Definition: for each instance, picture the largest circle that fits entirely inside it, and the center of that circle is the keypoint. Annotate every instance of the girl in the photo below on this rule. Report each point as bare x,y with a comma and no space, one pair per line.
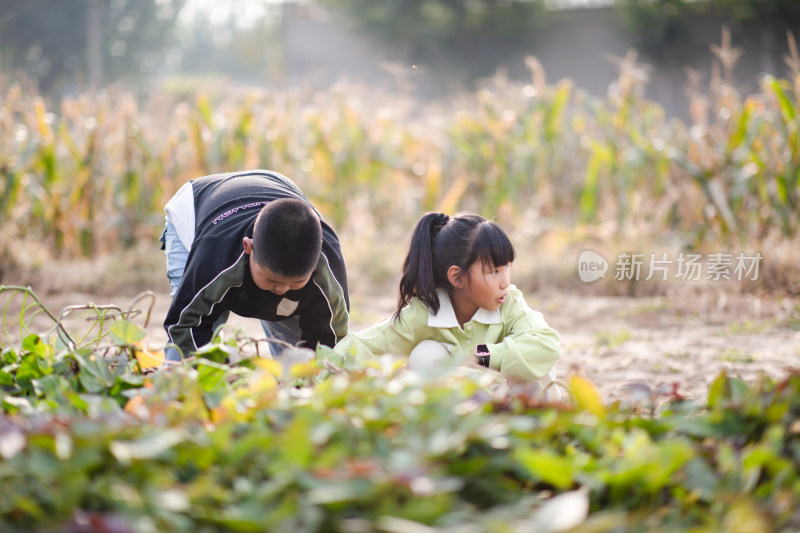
456,298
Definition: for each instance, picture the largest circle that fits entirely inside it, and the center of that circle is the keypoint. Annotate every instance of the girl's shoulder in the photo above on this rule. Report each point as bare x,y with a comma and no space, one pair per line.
514,293
515,301
415,308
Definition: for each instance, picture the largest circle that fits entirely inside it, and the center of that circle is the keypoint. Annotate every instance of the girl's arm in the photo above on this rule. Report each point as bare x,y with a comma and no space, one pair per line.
530,348
391,336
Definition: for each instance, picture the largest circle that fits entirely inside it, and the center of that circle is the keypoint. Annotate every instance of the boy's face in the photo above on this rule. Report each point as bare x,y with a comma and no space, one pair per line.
267,280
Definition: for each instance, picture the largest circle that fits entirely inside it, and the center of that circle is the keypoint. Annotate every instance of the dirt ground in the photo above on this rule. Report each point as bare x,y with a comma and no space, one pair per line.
680,341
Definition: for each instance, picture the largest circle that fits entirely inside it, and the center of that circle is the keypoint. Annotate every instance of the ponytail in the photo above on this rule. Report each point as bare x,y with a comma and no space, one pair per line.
418,278
439,242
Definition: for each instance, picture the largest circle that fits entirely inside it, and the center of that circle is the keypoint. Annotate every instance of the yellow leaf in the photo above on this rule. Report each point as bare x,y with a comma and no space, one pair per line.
270,366
304,370
373,363
586,395
262,383
134,405
219,414
745,517
148,359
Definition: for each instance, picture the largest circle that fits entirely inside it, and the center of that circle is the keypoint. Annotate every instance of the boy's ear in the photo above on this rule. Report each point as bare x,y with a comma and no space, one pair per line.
455,277
247,244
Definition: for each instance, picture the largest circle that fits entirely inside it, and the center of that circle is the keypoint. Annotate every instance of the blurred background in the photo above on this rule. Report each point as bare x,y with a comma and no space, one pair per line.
611,125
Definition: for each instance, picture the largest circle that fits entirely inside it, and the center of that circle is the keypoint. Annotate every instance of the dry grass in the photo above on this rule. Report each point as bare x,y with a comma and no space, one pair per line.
561,170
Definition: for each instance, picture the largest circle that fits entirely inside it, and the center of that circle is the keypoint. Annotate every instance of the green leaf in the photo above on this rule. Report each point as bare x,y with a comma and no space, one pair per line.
76,400
788,109
94,374
148,447
701,479
126,333
350,490
296,447
49,385
90,383
741,128
8,356
324,352
6,378
35,345
245,517
122,384
32,367
217,353
14,404
600,160
211,377
697,427
740,392
547,466
718,390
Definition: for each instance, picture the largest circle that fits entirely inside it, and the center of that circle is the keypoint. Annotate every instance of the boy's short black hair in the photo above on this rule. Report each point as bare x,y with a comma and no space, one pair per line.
287,238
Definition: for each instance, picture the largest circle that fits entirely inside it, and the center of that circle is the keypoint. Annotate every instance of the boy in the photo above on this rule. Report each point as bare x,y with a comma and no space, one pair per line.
251,243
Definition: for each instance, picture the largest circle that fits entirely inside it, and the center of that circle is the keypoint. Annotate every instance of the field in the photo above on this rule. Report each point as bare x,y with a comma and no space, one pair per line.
619,343
681,406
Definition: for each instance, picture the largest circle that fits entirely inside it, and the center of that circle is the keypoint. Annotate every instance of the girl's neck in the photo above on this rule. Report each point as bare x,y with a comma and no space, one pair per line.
463,308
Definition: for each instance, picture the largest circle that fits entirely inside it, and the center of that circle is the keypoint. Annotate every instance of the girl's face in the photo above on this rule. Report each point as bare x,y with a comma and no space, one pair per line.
486,285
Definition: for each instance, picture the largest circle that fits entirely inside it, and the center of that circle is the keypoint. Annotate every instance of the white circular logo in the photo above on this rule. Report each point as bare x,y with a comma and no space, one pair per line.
591,266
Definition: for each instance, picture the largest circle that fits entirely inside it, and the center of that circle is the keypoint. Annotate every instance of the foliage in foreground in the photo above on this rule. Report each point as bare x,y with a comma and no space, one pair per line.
89,441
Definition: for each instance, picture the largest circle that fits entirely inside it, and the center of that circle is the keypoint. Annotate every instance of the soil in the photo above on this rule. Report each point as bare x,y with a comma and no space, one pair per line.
624,345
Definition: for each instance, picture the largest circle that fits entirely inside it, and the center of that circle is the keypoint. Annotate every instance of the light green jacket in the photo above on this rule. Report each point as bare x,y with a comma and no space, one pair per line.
520,343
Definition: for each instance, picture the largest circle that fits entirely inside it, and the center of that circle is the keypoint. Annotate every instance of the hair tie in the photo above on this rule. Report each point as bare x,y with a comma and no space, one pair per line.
439,222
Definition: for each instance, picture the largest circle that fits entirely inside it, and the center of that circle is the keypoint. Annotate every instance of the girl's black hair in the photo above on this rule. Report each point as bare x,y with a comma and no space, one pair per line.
439,242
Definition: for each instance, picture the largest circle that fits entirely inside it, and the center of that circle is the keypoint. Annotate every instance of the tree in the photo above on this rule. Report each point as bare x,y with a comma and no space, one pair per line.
656,23
777,12
661,27
243,45
49,40
456,27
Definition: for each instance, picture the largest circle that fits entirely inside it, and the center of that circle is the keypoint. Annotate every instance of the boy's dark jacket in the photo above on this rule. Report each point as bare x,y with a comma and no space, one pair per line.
217,275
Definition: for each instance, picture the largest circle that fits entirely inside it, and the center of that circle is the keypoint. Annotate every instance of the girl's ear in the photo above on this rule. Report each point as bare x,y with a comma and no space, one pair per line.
455,277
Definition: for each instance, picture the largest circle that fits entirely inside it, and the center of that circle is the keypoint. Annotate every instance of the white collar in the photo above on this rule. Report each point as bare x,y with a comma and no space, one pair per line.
446,317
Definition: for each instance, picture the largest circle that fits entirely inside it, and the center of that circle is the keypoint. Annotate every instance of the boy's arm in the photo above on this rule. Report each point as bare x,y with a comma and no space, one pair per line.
196,306
531,347
326,318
